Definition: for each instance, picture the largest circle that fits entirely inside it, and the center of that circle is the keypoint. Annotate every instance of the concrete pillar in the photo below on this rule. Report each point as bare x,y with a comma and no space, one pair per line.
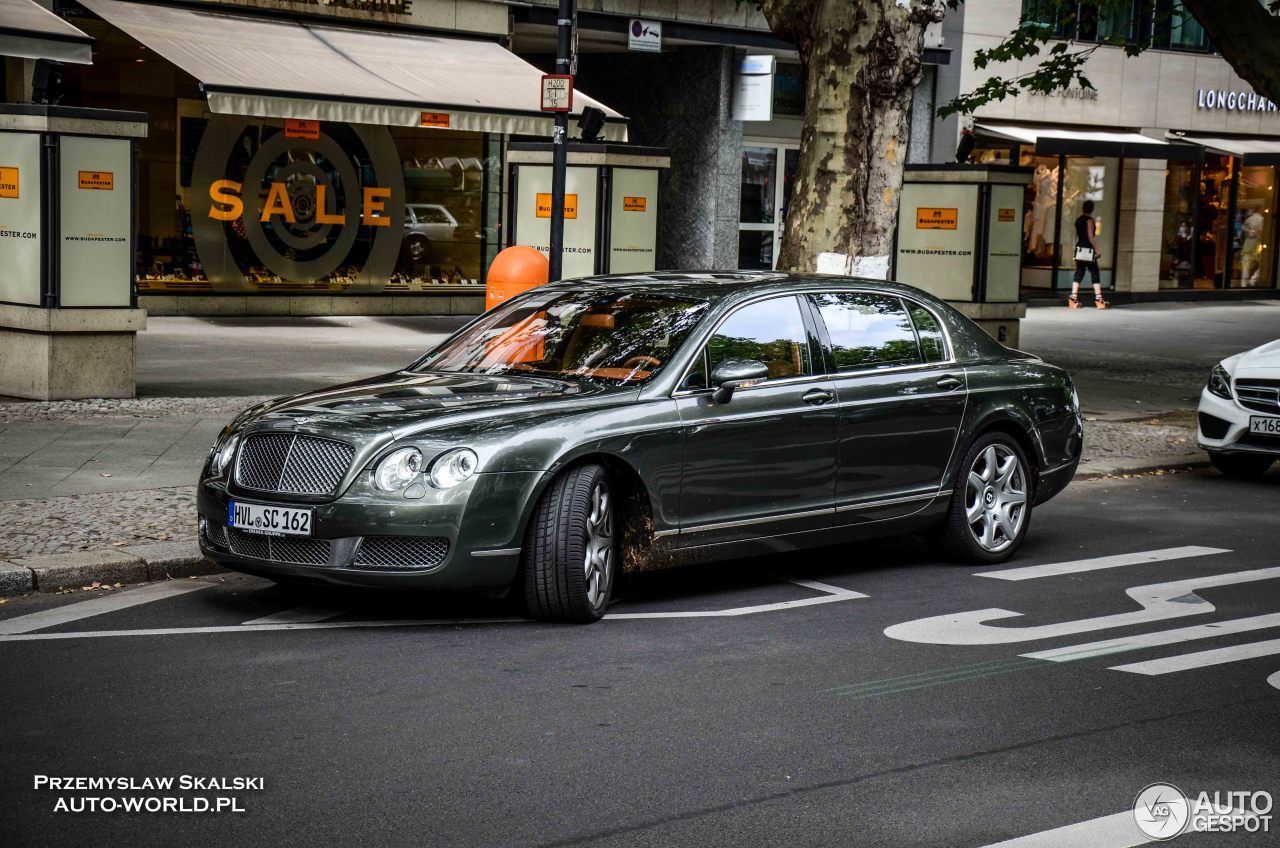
682,101
1141,214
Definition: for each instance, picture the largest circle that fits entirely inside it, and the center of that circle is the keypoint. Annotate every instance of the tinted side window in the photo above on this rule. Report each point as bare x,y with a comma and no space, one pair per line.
771,331
868,330
932,343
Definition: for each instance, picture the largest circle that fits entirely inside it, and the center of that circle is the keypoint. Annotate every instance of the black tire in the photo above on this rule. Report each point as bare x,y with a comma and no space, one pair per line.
1244,466
957,539
559,540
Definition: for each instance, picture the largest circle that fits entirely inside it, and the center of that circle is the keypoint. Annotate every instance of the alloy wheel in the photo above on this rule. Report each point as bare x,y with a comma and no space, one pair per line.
598,558
996,498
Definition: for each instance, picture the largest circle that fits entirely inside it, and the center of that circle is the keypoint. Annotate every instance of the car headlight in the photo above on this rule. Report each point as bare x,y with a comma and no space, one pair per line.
398,469
223,452
452,467
1220,382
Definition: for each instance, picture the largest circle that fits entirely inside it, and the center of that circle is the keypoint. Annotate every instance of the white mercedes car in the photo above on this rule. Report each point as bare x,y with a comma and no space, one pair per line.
1240,412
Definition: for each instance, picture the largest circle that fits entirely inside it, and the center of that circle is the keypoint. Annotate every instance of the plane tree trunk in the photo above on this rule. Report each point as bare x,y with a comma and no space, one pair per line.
862,63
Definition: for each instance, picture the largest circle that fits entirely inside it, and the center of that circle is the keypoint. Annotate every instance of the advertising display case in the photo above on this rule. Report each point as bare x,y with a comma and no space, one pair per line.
67,210
611,205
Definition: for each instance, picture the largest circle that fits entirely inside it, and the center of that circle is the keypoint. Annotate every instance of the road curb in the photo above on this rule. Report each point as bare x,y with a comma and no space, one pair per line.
125,564
1111,472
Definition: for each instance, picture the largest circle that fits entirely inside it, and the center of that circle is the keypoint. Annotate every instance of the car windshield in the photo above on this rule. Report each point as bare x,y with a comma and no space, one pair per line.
616,336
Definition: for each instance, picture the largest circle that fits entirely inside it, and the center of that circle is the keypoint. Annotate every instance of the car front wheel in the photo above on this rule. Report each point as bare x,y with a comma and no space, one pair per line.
1243,465
571,551
990,509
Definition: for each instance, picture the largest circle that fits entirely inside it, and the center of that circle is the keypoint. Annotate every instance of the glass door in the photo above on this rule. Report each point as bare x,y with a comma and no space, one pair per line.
768,170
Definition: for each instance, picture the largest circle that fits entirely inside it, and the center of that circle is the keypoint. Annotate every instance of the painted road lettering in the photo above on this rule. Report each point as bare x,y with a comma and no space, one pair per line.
1160,602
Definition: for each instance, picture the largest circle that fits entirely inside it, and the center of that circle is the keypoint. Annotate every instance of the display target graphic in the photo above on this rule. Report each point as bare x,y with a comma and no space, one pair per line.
296,246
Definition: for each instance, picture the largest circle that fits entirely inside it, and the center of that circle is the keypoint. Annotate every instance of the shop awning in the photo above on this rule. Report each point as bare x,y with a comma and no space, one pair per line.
1254,151
275,68
1051,141
30,31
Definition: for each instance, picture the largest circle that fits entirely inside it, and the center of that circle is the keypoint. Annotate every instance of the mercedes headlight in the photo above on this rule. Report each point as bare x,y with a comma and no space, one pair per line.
223,452
453,467
1220,382
398,469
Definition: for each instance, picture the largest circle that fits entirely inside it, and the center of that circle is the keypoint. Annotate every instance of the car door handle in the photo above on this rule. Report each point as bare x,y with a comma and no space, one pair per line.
817,397
949,383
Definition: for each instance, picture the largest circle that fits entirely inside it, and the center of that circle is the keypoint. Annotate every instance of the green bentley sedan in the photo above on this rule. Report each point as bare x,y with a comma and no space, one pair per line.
612,424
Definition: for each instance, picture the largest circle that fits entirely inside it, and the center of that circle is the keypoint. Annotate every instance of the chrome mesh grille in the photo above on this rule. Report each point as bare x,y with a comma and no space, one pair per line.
278,548
291,464
401,552
1259,395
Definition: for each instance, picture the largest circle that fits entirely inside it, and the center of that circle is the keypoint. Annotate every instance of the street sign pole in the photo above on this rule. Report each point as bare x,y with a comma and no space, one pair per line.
560,141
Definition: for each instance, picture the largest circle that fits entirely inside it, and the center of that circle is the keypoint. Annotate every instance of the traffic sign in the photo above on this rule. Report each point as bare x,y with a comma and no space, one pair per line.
557,93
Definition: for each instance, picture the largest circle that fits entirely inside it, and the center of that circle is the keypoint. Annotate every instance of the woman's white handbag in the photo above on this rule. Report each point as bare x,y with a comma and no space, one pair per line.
1084,254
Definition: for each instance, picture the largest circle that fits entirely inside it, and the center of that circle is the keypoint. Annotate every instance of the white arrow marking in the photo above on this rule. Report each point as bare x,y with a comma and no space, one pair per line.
1203,659
1115,831
1053,569
1160,601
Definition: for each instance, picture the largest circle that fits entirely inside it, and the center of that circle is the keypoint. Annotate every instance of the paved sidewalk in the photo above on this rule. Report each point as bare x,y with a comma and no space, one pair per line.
90,476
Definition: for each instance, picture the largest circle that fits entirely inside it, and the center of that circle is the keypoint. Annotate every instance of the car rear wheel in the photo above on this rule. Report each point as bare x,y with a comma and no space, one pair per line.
571,551
990,509
1243,465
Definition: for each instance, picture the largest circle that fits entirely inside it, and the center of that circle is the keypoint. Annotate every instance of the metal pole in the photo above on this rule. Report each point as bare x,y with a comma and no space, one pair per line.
560,141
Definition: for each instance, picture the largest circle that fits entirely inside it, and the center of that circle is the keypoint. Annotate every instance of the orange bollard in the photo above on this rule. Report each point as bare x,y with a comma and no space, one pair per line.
516,269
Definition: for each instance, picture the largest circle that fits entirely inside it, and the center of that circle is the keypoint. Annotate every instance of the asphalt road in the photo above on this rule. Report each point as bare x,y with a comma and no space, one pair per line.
778,725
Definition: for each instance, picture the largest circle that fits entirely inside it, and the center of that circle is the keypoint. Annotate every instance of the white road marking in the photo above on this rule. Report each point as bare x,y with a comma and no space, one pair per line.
1160,602
98,606
1115,831
1153,640
1203,659
832,595
1053,569
313,618
1119,830
249,628
1274,680
297,615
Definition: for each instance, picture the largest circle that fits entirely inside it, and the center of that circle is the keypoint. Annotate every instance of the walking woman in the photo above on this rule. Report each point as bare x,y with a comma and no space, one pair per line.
1087,256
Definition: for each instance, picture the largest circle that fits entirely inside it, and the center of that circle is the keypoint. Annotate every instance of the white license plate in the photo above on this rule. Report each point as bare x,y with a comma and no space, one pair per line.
272,520
1264,426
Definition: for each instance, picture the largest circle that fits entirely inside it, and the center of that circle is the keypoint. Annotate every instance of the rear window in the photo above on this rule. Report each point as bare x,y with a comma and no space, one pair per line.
868,330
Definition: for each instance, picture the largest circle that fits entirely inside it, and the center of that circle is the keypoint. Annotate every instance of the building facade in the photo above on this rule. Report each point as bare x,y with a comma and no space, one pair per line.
1178,154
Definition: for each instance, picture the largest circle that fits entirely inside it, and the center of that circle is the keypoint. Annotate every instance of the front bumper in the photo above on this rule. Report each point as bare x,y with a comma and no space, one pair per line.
1215,412
478,523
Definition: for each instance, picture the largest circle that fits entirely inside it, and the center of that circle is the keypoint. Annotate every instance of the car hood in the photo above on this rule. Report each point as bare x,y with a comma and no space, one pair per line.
1262,361
404,402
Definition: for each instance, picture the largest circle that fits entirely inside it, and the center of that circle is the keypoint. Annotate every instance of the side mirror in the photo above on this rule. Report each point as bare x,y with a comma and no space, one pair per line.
736,374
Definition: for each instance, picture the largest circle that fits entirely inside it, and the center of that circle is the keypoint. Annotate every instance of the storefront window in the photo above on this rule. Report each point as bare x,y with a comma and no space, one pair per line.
252,205
1039,217
1096,179
1212,211
1253,259
1178,235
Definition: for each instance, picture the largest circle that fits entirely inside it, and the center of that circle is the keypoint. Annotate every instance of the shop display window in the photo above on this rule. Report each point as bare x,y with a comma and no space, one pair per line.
1178,244
1253,228
253,205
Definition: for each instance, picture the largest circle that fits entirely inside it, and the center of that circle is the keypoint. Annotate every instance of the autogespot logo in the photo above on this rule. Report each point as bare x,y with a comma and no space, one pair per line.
1161,811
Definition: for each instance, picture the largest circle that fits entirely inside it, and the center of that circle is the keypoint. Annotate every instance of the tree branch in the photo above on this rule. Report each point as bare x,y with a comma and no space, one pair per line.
1248,37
